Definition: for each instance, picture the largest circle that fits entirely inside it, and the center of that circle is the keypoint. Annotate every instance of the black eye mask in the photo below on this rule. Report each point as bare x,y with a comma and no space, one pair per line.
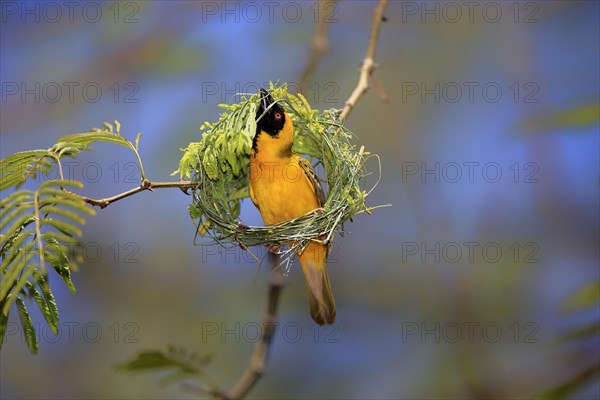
271,121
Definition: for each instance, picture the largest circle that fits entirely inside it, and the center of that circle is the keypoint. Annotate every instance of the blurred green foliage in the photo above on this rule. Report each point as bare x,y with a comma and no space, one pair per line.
41,227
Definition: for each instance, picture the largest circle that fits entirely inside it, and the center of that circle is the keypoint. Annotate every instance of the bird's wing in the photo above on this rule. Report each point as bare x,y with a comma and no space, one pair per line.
309,172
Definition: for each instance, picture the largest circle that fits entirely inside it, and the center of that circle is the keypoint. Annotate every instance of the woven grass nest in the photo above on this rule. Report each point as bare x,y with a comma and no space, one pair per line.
220,166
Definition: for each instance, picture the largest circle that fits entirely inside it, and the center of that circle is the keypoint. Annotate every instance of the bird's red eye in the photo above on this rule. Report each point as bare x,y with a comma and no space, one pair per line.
277,116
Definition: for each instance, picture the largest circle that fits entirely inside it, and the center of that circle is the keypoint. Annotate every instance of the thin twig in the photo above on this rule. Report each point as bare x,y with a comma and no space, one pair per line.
320,46
38,230
146,185
369,64
257,362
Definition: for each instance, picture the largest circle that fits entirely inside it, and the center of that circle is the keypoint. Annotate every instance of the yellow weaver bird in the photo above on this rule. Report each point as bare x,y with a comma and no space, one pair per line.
284,186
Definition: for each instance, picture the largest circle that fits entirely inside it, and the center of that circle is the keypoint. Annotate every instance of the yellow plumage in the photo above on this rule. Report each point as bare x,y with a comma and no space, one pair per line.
284,186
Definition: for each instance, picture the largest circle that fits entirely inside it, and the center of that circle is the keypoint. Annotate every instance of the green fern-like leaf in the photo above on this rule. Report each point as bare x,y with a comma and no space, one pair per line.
3,323
579,117
49,220
28,330
51,315
40,228
178,361
585,298
107,135
573,385
55,254
86,138
17,168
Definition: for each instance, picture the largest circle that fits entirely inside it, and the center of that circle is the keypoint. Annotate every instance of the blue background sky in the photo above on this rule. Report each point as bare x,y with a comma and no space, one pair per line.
163,67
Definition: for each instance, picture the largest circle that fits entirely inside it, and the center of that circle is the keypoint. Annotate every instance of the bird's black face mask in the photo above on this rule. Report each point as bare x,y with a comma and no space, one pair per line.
270,116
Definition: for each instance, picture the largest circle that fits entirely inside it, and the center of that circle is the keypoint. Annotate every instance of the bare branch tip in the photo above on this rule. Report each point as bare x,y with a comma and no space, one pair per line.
368,64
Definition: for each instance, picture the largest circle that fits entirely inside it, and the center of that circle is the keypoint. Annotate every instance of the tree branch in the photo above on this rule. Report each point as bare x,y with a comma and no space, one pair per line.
369,64
320,46
145,185
257,362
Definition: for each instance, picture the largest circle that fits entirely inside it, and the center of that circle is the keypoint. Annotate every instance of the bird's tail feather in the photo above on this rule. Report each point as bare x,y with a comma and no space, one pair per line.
320,297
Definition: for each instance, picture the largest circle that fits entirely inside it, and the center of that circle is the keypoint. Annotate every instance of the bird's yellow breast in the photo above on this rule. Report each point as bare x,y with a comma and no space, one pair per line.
279,187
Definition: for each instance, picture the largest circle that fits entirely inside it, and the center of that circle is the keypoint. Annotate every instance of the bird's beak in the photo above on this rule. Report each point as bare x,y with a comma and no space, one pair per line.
266,101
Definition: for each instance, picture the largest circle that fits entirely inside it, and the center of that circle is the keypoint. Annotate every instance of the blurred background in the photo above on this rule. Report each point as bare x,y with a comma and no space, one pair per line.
489,146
